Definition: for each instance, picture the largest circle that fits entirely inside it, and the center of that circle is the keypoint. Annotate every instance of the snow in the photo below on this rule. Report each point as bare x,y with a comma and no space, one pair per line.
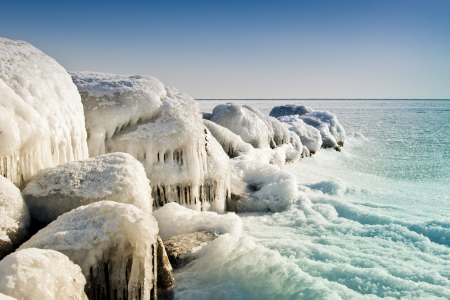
114,102
41,274
116,177
310,136
4,297
105,232
333,134
14,217
42,122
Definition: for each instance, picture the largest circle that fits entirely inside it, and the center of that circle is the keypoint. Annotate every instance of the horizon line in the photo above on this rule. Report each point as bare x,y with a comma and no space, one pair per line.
323,99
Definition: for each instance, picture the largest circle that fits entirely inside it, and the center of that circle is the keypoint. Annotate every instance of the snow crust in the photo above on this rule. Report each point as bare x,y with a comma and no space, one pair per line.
114,102
41,274
42,123
106,232
333,134
116,177
14,217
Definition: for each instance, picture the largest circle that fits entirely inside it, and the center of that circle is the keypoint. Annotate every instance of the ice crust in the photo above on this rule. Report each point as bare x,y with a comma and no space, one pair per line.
14,217
333,134
116,177
114,102
106,239
41,274
163,129
42,123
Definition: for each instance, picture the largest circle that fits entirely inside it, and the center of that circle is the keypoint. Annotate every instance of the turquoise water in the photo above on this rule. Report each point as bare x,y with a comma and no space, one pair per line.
372,221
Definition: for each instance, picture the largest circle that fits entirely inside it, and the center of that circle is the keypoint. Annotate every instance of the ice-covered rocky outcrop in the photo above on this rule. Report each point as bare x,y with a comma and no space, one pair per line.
14,217
31,274
163,129
113,243
42,121
309,135
333,134
116,177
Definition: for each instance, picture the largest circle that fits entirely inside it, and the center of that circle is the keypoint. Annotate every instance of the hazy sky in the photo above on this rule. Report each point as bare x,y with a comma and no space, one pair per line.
250,49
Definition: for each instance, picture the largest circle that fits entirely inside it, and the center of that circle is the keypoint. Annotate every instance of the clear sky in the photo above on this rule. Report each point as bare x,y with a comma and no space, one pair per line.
250,49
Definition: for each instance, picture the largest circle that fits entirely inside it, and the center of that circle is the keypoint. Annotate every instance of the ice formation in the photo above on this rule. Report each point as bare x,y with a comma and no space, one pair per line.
4,297
42,122
32,273
115,102
310,136
333,134
116,177
113,243
163,129
14,217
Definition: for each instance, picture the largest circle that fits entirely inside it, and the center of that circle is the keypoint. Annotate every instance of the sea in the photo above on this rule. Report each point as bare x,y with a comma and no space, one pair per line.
371,221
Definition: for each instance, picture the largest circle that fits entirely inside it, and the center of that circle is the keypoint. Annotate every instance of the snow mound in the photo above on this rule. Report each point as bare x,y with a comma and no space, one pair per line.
114,102
116,177
42,121
114,243
41,274
333,134
310,136
167,136
14,217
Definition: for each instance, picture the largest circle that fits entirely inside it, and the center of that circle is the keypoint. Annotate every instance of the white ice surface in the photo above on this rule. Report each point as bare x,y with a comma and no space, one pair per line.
98,231
31,274
117,177
14,217
113,102
42,123
5,297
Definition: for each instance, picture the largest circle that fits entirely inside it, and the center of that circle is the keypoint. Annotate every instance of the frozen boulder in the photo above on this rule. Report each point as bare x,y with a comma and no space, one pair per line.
290,109
14,217
41,115
113,103
333,134
309,135
113,243
180,247
31,274
116,177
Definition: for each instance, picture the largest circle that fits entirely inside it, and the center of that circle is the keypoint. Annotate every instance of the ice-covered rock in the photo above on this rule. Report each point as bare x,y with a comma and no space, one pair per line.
309,135
14,217
113,243
180,246
42,121
333,134
116,177
163,129
165,281
115,102
31,274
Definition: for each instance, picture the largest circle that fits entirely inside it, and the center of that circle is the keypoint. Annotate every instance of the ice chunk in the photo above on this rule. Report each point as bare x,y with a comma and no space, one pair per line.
14,217
290,109
114,243
32,273
42,121
114,102
117,177
310,136
333,135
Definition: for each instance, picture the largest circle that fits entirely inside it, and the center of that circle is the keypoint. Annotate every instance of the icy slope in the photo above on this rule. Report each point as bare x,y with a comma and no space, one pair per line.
42,120
116,177
31,274
14,217
112,242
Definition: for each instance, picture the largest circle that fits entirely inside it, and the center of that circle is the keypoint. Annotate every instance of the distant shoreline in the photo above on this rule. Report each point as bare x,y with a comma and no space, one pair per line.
311,99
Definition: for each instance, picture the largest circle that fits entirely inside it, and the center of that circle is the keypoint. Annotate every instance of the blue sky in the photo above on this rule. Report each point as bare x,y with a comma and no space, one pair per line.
250,49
